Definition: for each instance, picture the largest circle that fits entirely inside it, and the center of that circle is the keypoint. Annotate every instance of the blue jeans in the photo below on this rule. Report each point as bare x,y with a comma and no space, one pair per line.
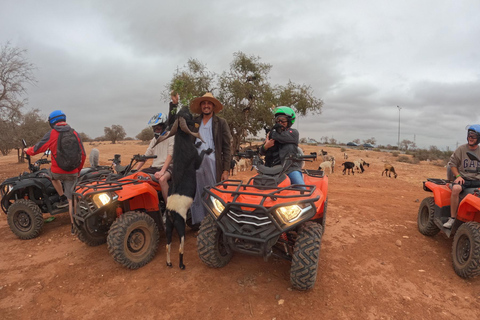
296,177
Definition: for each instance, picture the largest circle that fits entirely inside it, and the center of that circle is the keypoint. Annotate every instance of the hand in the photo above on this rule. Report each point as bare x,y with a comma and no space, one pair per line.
175,98
159,174
224,175
459,180
268,143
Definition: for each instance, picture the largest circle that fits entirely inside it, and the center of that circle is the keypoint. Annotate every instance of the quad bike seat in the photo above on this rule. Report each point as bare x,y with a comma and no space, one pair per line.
267,180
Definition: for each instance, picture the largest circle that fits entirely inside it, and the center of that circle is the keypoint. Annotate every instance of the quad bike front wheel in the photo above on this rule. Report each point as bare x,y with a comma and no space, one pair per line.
306,252
425,218
210,246
466,250
25,219
133,239
91,231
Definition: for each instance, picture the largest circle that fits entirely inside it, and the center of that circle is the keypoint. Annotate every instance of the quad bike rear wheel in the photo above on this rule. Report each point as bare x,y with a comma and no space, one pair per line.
306,252
133,239
25,219
210,246
425,218
466,250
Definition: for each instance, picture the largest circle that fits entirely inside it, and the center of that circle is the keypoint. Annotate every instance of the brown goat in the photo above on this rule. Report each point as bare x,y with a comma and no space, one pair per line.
388,168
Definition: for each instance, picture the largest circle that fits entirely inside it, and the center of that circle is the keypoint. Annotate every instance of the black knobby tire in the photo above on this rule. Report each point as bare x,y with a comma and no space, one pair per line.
90,233
303,271
466,250
425,218
25,219
133,239
210,246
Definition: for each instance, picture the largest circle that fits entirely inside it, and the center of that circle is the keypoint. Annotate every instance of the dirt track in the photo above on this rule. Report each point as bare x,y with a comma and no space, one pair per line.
374,264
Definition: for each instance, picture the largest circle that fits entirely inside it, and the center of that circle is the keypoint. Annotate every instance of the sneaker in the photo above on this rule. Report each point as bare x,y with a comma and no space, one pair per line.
449,223
63,202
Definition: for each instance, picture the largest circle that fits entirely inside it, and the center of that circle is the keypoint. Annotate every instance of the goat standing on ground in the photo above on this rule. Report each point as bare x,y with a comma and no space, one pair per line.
324,165
388,168
186,161
348,166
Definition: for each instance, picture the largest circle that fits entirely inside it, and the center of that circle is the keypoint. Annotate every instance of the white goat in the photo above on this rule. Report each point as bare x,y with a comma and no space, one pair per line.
324,165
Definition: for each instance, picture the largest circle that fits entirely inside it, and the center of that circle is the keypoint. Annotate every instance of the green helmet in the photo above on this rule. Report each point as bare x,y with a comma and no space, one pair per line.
287,111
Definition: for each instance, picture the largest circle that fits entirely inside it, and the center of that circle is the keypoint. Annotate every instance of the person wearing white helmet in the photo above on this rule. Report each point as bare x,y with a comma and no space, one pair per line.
161,166
464,170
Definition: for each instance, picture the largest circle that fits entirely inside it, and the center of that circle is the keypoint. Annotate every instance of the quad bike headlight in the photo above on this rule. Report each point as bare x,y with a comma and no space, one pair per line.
6,189
218,206
292,213
102,199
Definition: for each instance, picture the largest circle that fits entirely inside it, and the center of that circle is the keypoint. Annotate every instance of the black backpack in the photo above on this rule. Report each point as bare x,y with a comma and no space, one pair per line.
69,152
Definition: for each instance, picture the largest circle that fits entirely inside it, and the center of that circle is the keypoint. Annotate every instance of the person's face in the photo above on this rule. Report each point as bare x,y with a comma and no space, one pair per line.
282,120
472,138
158,128
207,107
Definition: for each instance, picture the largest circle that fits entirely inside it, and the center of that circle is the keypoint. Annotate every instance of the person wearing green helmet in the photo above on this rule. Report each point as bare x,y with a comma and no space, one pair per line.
281,141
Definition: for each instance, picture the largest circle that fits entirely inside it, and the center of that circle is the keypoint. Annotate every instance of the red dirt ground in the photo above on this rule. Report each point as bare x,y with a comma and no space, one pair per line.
374,264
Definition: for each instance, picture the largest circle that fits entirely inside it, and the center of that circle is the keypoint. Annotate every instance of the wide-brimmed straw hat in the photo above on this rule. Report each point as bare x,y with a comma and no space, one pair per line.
195,104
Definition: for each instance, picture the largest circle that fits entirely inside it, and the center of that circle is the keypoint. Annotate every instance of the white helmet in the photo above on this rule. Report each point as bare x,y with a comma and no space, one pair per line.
157,119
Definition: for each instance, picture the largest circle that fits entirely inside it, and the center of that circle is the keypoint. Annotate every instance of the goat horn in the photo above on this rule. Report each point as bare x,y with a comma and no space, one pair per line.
172,132
184,127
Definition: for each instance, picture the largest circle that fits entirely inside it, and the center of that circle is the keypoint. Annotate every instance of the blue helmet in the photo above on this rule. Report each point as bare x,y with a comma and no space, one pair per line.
474,128
56,116
157,119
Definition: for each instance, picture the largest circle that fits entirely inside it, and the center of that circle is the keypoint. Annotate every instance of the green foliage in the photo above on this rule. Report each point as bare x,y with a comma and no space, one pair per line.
114,133
245,92
84,137
145,135
433,153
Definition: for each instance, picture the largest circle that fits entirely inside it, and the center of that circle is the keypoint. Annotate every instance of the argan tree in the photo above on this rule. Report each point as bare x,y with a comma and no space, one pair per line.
114,133
246,93
15,73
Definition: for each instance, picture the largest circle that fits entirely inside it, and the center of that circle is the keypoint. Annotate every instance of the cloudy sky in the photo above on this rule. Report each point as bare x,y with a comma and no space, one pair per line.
108,62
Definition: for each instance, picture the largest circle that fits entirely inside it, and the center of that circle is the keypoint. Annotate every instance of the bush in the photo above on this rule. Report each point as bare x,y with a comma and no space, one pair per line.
395,153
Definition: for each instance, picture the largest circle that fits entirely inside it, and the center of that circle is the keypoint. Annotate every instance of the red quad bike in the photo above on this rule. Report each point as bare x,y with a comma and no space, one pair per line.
124,210
435,211
267,216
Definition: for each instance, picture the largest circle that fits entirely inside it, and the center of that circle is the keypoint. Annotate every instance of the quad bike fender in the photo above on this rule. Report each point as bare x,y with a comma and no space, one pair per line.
469,209
139,196
441,193
321,190
22,188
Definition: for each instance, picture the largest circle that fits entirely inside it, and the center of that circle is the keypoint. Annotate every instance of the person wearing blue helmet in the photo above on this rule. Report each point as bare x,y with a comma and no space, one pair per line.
161,167
464,170
67,157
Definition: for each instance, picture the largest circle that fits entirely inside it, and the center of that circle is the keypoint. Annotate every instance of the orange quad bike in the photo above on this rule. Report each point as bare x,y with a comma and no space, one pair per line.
435,211
123,209
267,216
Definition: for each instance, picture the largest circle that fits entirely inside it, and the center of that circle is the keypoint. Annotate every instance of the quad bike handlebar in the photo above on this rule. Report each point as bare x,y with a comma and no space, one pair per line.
34,167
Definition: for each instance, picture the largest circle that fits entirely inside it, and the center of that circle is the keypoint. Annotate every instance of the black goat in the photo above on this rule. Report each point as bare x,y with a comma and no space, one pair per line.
348,166
233,163
186,161
314,154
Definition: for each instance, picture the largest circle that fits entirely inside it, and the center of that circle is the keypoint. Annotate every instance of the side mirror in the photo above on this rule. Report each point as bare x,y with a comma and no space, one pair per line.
472,156
24,143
